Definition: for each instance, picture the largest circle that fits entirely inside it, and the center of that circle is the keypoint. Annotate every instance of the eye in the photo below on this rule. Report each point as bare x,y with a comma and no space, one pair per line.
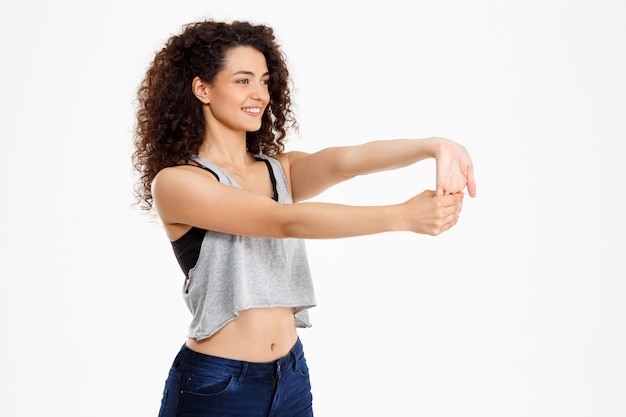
265,82
242,81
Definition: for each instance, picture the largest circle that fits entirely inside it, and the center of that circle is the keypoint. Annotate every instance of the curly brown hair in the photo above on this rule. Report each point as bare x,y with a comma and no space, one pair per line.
170,124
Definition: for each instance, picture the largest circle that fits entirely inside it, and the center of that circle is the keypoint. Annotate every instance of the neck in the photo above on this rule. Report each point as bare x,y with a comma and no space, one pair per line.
225,147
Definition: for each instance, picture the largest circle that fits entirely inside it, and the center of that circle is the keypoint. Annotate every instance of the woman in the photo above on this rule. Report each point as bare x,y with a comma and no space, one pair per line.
214,110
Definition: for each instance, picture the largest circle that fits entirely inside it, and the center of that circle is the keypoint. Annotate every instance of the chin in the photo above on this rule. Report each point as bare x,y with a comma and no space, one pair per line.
254,129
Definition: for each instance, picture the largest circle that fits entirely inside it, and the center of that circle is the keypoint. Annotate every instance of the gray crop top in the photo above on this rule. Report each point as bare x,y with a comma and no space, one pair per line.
229,273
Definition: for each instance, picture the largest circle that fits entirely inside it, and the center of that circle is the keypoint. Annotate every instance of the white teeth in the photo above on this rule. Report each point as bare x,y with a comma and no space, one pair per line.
252,110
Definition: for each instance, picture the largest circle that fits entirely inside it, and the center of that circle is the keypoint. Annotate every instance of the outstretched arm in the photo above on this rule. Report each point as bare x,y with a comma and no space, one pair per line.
195,198
311,174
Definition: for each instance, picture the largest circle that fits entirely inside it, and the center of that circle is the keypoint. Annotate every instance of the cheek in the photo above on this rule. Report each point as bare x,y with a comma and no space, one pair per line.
224,105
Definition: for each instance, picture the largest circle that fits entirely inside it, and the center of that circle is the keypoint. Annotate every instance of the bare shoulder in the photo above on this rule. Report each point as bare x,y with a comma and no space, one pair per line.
291,156
182,183
180,177
287,161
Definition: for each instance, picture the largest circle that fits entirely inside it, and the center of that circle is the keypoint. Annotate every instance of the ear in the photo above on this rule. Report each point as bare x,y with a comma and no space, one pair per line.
200,89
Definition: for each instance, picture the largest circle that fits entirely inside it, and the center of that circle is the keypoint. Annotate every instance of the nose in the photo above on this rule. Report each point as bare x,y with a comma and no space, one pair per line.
259,92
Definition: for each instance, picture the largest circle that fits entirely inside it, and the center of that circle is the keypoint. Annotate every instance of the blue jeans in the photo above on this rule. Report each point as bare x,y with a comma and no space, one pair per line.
203,385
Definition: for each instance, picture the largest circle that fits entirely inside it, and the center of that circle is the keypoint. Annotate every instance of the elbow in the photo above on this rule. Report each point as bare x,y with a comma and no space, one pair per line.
346,164
283,232
295,227
286,222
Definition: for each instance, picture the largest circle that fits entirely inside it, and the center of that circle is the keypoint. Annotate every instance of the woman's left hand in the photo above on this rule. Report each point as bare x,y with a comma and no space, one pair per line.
455,170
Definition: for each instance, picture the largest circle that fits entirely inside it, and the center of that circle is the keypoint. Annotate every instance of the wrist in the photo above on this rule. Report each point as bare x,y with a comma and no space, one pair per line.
394,214
436,146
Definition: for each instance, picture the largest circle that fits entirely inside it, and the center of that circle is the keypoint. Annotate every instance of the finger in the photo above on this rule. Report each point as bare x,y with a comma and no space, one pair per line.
471,182
454,200
450,211
448,225
453,210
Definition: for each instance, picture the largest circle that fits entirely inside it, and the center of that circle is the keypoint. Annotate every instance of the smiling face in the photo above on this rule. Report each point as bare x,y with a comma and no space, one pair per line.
239,94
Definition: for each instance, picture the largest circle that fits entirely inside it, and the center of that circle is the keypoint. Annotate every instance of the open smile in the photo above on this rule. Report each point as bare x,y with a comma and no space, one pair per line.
252,110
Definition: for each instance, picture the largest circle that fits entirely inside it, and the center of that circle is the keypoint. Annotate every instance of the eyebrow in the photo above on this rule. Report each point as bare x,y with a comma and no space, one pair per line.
250,73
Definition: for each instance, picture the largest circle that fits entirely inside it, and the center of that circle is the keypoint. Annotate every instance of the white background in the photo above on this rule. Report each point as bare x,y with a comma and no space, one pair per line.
517,311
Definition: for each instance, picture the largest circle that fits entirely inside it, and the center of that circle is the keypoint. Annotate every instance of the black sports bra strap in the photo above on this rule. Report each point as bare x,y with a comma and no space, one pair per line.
272,177
198,160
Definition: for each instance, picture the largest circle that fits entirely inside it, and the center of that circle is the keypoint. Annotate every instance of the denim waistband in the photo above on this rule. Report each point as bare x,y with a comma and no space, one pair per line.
193,359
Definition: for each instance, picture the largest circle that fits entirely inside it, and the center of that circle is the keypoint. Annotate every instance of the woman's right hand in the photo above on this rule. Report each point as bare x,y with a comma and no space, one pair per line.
429,214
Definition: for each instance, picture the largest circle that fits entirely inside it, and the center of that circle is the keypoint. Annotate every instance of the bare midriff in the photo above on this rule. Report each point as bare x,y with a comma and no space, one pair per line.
257,335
